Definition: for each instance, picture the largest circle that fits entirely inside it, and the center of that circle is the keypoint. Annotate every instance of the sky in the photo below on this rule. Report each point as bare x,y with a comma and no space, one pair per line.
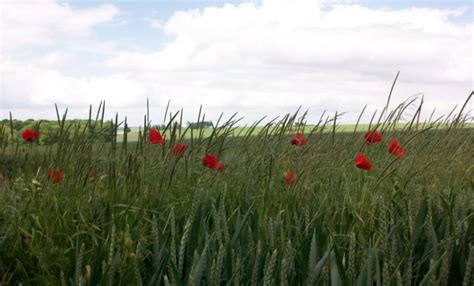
257,58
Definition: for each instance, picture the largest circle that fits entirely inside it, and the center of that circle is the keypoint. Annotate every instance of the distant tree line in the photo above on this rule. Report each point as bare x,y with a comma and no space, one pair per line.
191,125
198,125
49,129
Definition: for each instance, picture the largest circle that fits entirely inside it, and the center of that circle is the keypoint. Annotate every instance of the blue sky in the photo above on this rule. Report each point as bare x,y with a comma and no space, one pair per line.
253,57
137,33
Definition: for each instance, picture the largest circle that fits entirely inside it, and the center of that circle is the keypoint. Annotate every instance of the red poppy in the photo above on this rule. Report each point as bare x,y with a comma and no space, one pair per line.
30,135
396,149
179,149
361,162
297,140
55,175
155,137
372,137
290,177
220,167
210,161
94,174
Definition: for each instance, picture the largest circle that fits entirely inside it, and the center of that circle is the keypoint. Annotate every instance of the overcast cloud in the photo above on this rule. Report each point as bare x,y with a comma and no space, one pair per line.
256,59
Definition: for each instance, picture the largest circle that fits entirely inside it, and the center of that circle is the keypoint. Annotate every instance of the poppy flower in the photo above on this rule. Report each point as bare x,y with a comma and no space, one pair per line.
372,137
210,161
93,174
55,175
220,167
179,149
30,135
290,177
361,162
297,140
396,149
155,137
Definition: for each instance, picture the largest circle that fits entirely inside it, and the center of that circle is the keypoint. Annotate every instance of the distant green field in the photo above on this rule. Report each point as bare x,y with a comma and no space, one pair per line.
132,136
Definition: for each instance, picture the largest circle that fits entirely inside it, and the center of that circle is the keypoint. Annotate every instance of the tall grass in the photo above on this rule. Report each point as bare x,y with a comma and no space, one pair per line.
152,218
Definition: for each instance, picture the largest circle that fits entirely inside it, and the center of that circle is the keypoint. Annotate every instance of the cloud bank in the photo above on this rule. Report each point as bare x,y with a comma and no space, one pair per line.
255,59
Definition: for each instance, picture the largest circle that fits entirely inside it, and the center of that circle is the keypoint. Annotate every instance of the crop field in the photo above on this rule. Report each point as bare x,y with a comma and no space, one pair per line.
134,132
286,202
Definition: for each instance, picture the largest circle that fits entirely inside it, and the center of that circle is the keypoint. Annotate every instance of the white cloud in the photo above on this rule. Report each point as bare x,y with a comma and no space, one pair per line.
41,86
259,60
42,22
423,42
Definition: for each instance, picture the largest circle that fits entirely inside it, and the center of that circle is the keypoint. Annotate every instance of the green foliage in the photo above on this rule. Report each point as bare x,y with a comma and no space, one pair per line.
49,129
152,218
